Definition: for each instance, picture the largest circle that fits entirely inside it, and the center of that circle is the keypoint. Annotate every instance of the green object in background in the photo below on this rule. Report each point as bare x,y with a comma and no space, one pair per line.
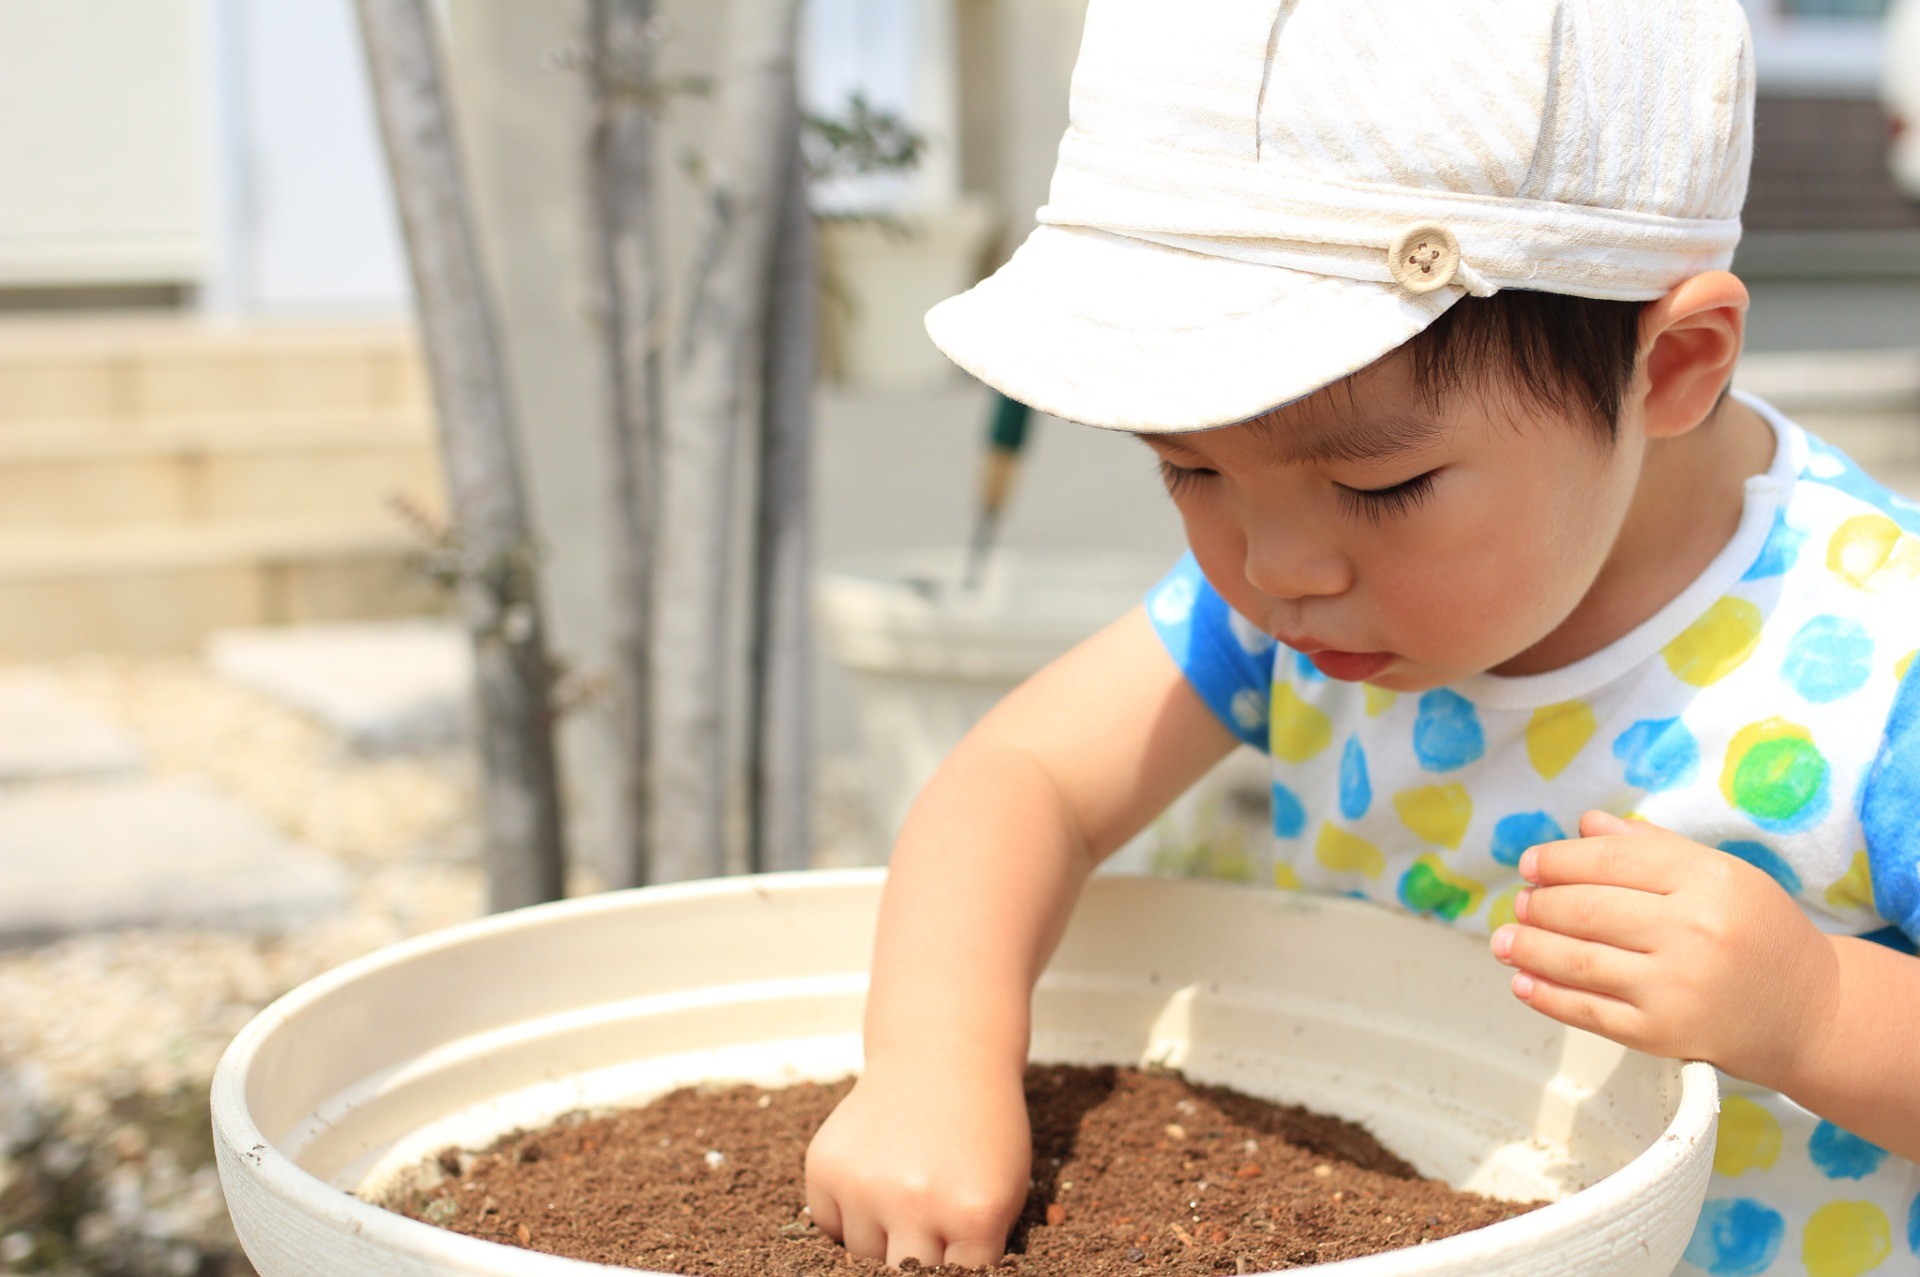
1007,435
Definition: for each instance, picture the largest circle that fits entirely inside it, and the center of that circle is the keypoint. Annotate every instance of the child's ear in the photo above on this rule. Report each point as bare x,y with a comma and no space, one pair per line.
1689,342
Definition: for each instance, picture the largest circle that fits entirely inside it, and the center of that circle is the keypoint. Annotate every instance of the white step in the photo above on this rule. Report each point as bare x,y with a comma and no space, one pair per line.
133,367
162,589
104,473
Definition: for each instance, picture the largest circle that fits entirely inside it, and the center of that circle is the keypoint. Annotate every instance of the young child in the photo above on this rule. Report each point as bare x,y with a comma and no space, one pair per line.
1422,310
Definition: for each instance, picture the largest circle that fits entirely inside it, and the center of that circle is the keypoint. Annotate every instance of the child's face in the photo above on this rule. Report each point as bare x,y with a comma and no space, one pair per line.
1399,544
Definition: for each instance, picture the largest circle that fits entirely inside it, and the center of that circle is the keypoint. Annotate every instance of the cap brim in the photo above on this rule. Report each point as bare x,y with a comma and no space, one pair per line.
1126,334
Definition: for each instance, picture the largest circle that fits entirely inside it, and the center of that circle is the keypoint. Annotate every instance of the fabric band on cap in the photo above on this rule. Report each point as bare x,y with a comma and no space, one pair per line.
1266,216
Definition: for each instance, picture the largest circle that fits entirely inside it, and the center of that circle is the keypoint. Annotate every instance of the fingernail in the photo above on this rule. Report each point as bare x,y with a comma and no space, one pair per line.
1520,905
1503,943
1523,986
1529,861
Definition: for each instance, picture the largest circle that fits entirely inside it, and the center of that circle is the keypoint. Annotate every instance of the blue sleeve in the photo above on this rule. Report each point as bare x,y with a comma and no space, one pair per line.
1890,812
1228,661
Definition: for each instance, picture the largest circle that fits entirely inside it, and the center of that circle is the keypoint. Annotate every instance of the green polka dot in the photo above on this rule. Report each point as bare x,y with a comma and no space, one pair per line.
1778,777
1775,774
1430,887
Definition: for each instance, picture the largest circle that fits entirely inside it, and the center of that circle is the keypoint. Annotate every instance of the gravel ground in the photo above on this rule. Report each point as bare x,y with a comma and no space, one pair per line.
108,1042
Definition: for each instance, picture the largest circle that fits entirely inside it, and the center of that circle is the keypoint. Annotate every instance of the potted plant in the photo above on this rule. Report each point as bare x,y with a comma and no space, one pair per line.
510,1022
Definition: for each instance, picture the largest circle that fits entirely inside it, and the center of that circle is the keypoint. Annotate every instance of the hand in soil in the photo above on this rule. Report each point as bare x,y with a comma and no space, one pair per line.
919,1167
1134,1174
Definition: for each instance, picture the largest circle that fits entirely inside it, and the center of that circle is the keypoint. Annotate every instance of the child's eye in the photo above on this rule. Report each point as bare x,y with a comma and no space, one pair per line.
1381,503
1179,478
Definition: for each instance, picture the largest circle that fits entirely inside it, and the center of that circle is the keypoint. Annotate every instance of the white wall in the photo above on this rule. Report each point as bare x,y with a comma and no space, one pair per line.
103,142
307,225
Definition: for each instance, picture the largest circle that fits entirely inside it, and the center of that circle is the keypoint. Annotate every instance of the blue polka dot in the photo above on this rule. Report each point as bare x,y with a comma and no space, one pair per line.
1780,551
1913,1225
1829,658
1659,753
1515,833
1735,1237
1309,672
1446,734
1289,815
1842,1154
1356,790
1765,859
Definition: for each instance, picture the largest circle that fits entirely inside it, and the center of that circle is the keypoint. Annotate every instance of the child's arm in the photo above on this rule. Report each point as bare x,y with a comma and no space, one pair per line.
1677,949
928,1156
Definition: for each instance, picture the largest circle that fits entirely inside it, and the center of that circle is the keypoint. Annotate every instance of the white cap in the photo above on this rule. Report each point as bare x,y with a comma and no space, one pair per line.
1256,198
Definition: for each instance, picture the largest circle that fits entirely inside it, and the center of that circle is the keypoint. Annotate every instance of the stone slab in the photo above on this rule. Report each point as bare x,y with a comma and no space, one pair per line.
45,733
384,687
106,854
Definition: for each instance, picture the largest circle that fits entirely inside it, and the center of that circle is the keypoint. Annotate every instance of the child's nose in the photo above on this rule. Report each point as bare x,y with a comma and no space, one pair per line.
1287,563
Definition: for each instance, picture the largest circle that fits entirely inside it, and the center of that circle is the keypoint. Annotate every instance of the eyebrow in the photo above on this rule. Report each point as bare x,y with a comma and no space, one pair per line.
1376,438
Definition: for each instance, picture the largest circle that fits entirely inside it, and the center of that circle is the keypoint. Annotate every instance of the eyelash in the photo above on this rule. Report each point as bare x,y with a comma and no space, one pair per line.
1374,504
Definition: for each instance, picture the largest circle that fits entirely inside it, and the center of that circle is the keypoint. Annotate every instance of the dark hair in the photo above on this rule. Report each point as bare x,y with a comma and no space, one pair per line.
1557,351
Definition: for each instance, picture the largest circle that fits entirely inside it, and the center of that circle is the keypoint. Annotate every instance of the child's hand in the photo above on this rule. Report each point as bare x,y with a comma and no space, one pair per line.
926,1164
1670,947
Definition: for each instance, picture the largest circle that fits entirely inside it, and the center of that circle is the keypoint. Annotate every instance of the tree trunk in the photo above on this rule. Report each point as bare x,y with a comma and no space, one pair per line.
492,547
626,297
782,773
718,361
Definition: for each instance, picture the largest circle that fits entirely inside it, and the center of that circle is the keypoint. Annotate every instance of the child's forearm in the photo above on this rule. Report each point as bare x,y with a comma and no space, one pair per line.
1861,1068
982,880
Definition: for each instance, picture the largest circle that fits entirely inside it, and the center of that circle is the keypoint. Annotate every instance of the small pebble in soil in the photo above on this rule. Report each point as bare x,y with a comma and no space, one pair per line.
710,1181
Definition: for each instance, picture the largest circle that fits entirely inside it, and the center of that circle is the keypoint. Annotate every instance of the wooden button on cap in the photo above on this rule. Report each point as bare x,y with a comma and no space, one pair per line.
1424,257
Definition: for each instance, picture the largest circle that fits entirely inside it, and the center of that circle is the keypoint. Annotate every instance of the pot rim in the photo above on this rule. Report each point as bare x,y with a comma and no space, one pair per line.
238,1136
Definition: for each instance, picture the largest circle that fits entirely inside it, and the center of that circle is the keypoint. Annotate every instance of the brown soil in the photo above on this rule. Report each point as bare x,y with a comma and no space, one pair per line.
1134,1173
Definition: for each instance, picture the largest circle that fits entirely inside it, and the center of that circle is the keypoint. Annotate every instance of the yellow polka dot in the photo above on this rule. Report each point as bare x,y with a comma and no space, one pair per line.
1343,852
1299,730
1715,645
1379,700
1855,889
1556,733
1749,1137
1870,551
1906,663
1438,813
1287,878
1846,1239
1500,912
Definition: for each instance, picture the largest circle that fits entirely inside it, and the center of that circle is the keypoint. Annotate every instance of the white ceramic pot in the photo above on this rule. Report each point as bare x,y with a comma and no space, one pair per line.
927,656
1405,1026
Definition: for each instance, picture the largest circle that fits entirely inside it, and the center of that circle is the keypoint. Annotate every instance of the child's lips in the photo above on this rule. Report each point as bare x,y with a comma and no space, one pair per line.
1350,667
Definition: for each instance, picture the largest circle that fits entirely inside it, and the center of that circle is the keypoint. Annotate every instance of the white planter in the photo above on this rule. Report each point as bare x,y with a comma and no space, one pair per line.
879,278
514,1020
927,658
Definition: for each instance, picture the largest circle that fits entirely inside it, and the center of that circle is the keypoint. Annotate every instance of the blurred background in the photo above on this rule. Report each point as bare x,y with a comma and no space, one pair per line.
236,734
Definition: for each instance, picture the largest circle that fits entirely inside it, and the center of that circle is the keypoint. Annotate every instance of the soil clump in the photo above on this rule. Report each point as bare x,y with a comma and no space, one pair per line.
1135,1172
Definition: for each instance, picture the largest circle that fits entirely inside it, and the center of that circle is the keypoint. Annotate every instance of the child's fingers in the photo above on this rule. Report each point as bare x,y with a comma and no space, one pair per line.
825,1211
915,1243
1619,916
1577,964
1594,1012
976,1252
1603,824
1645,864
863,1236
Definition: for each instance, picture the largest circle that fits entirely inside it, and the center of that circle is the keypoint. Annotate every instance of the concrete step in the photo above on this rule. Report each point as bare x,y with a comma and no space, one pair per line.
151,853
133,367
163,588
105,472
